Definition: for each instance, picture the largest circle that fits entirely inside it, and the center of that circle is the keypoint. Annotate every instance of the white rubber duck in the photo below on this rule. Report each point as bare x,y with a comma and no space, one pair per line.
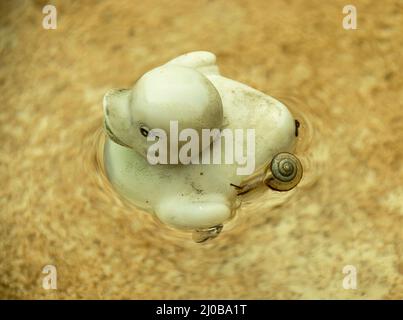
190,92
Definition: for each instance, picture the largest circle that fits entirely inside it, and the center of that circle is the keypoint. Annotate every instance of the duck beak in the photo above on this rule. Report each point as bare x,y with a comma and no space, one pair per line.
117,116
112,136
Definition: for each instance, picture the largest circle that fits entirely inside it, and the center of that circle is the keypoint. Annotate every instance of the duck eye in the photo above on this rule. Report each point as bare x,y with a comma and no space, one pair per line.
144,131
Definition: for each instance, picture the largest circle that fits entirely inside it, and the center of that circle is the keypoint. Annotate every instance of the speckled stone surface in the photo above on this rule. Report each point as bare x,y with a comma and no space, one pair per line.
347,211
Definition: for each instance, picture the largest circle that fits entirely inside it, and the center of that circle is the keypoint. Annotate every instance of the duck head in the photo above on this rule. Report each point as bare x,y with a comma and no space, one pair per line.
164,94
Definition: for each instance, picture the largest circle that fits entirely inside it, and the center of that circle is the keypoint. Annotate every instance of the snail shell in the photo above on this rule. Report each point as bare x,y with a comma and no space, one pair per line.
286,172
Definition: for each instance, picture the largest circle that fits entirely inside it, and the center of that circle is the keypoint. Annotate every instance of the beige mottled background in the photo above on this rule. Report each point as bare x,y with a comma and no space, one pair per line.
346,85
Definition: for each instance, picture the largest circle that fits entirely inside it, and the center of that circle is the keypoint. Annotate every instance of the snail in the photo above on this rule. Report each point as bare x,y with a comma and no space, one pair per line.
284,172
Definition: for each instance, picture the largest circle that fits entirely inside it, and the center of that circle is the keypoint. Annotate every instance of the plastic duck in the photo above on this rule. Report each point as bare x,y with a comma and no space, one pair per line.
196,194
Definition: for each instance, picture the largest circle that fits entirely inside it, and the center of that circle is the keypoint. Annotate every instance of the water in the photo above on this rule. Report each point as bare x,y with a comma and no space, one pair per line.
58,207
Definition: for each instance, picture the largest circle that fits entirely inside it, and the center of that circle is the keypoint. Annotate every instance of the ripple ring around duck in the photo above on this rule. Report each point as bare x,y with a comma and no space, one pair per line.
197,196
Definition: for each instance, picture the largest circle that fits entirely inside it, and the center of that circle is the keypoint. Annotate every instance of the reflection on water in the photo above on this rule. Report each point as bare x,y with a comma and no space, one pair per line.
259,202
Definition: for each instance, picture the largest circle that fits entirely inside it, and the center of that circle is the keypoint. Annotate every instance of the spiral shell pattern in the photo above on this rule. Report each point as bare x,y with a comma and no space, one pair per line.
286,172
